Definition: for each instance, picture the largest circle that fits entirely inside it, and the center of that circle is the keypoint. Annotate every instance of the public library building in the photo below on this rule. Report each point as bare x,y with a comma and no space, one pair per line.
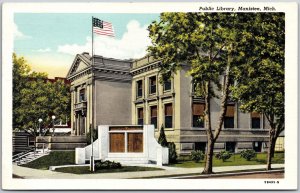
128,92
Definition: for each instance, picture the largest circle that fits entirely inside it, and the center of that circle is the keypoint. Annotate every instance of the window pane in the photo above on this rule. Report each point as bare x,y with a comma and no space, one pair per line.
230,146
255,123
153,111
229,122
140,113
153,116
198,121
168,121
168,109
230,111
200,146
152,85
139,88
167,85
140,116
82,95
140,121
154,121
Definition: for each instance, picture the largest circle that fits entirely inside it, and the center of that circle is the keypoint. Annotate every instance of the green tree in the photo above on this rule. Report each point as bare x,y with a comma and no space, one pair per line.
35,97
162,140
260,79
206,42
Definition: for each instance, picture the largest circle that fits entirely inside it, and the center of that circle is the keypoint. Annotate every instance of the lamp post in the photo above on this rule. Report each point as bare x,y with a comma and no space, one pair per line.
40,120
53,117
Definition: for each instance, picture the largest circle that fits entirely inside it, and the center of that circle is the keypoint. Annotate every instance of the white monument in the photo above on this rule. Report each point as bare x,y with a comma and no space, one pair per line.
127,144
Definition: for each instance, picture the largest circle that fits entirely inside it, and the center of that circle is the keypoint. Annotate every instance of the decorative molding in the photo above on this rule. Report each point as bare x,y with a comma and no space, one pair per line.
145,68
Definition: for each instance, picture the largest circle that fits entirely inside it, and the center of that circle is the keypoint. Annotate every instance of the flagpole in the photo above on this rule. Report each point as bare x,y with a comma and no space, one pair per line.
92,125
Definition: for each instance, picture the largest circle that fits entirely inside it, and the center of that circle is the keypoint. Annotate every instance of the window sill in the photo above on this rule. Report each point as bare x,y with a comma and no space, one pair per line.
169,129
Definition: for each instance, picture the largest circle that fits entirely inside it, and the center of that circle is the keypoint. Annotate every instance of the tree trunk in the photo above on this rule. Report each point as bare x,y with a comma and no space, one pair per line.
210,137
271,149
209,157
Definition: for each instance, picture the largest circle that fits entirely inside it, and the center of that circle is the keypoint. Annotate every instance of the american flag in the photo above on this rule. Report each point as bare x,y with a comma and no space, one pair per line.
103,28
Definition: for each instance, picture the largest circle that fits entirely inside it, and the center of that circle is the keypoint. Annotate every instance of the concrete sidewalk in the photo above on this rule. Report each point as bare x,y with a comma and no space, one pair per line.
29,173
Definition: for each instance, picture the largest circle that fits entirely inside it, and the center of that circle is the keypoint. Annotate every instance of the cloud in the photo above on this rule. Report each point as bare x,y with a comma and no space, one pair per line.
18,35
133,44
43,50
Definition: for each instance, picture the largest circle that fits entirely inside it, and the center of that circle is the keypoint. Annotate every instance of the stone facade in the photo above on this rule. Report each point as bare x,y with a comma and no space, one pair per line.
129,92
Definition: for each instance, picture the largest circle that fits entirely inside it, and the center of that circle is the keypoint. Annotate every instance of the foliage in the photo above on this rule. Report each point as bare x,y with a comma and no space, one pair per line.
248,154
197,156
162,140
260,79
205,44
223,155
172,152
35,97
233,45
106,165
86,169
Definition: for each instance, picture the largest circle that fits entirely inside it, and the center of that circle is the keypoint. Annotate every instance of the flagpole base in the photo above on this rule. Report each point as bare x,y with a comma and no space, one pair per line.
92,164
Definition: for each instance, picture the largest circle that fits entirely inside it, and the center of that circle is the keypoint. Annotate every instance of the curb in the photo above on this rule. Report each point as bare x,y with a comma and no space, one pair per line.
226,174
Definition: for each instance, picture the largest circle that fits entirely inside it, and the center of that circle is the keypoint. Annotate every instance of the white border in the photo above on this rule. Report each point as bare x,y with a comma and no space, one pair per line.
290,180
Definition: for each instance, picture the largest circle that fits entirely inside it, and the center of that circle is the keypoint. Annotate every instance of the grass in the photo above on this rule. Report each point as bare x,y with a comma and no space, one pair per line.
86,169
235,160
55,158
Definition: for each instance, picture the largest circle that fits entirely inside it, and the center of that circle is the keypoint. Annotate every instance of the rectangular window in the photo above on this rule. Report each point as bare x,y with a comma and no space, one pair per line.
230,146
255,120
140,116
153,114
167,85
257,146
200,146
198,114
168,115
229,117
152,85
139,88
82,95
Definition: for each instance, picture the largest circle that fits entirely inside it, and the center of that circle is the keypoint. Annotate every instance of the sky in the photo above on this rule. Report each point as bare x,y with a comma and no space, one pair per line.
50,41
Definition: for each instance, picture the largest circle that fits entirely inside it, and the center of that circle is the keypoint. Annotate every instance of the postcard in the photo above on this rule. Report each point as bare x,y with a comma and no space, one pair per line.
150,96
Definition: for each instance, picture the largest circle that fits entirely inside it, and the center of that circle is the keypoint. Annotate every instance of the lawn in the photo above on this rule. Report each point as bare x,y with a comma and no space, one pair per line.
235,160
86,169
55,158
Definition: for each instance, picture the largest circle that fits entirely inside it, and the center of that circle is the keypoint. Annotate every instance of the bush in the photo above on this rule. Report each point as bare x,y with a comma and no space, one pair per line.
162,140
248,154
197,156
106,165
172,152
223,155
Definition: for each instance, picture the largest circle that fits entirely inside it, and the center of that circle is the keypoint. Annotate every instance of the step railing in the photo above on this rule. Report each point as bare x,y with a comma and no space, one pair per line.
17,157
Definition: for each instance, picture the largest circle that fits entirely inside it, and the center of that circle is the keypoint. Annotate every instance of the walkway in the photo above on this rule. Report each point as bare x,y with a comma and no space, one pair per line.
29,173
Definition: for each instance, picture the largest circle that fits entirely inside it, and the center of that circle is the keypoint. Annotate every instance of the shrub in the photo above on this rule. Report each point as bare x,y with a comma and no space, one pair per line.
248,154
162,140
172,152
197,156
106,165
223,155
